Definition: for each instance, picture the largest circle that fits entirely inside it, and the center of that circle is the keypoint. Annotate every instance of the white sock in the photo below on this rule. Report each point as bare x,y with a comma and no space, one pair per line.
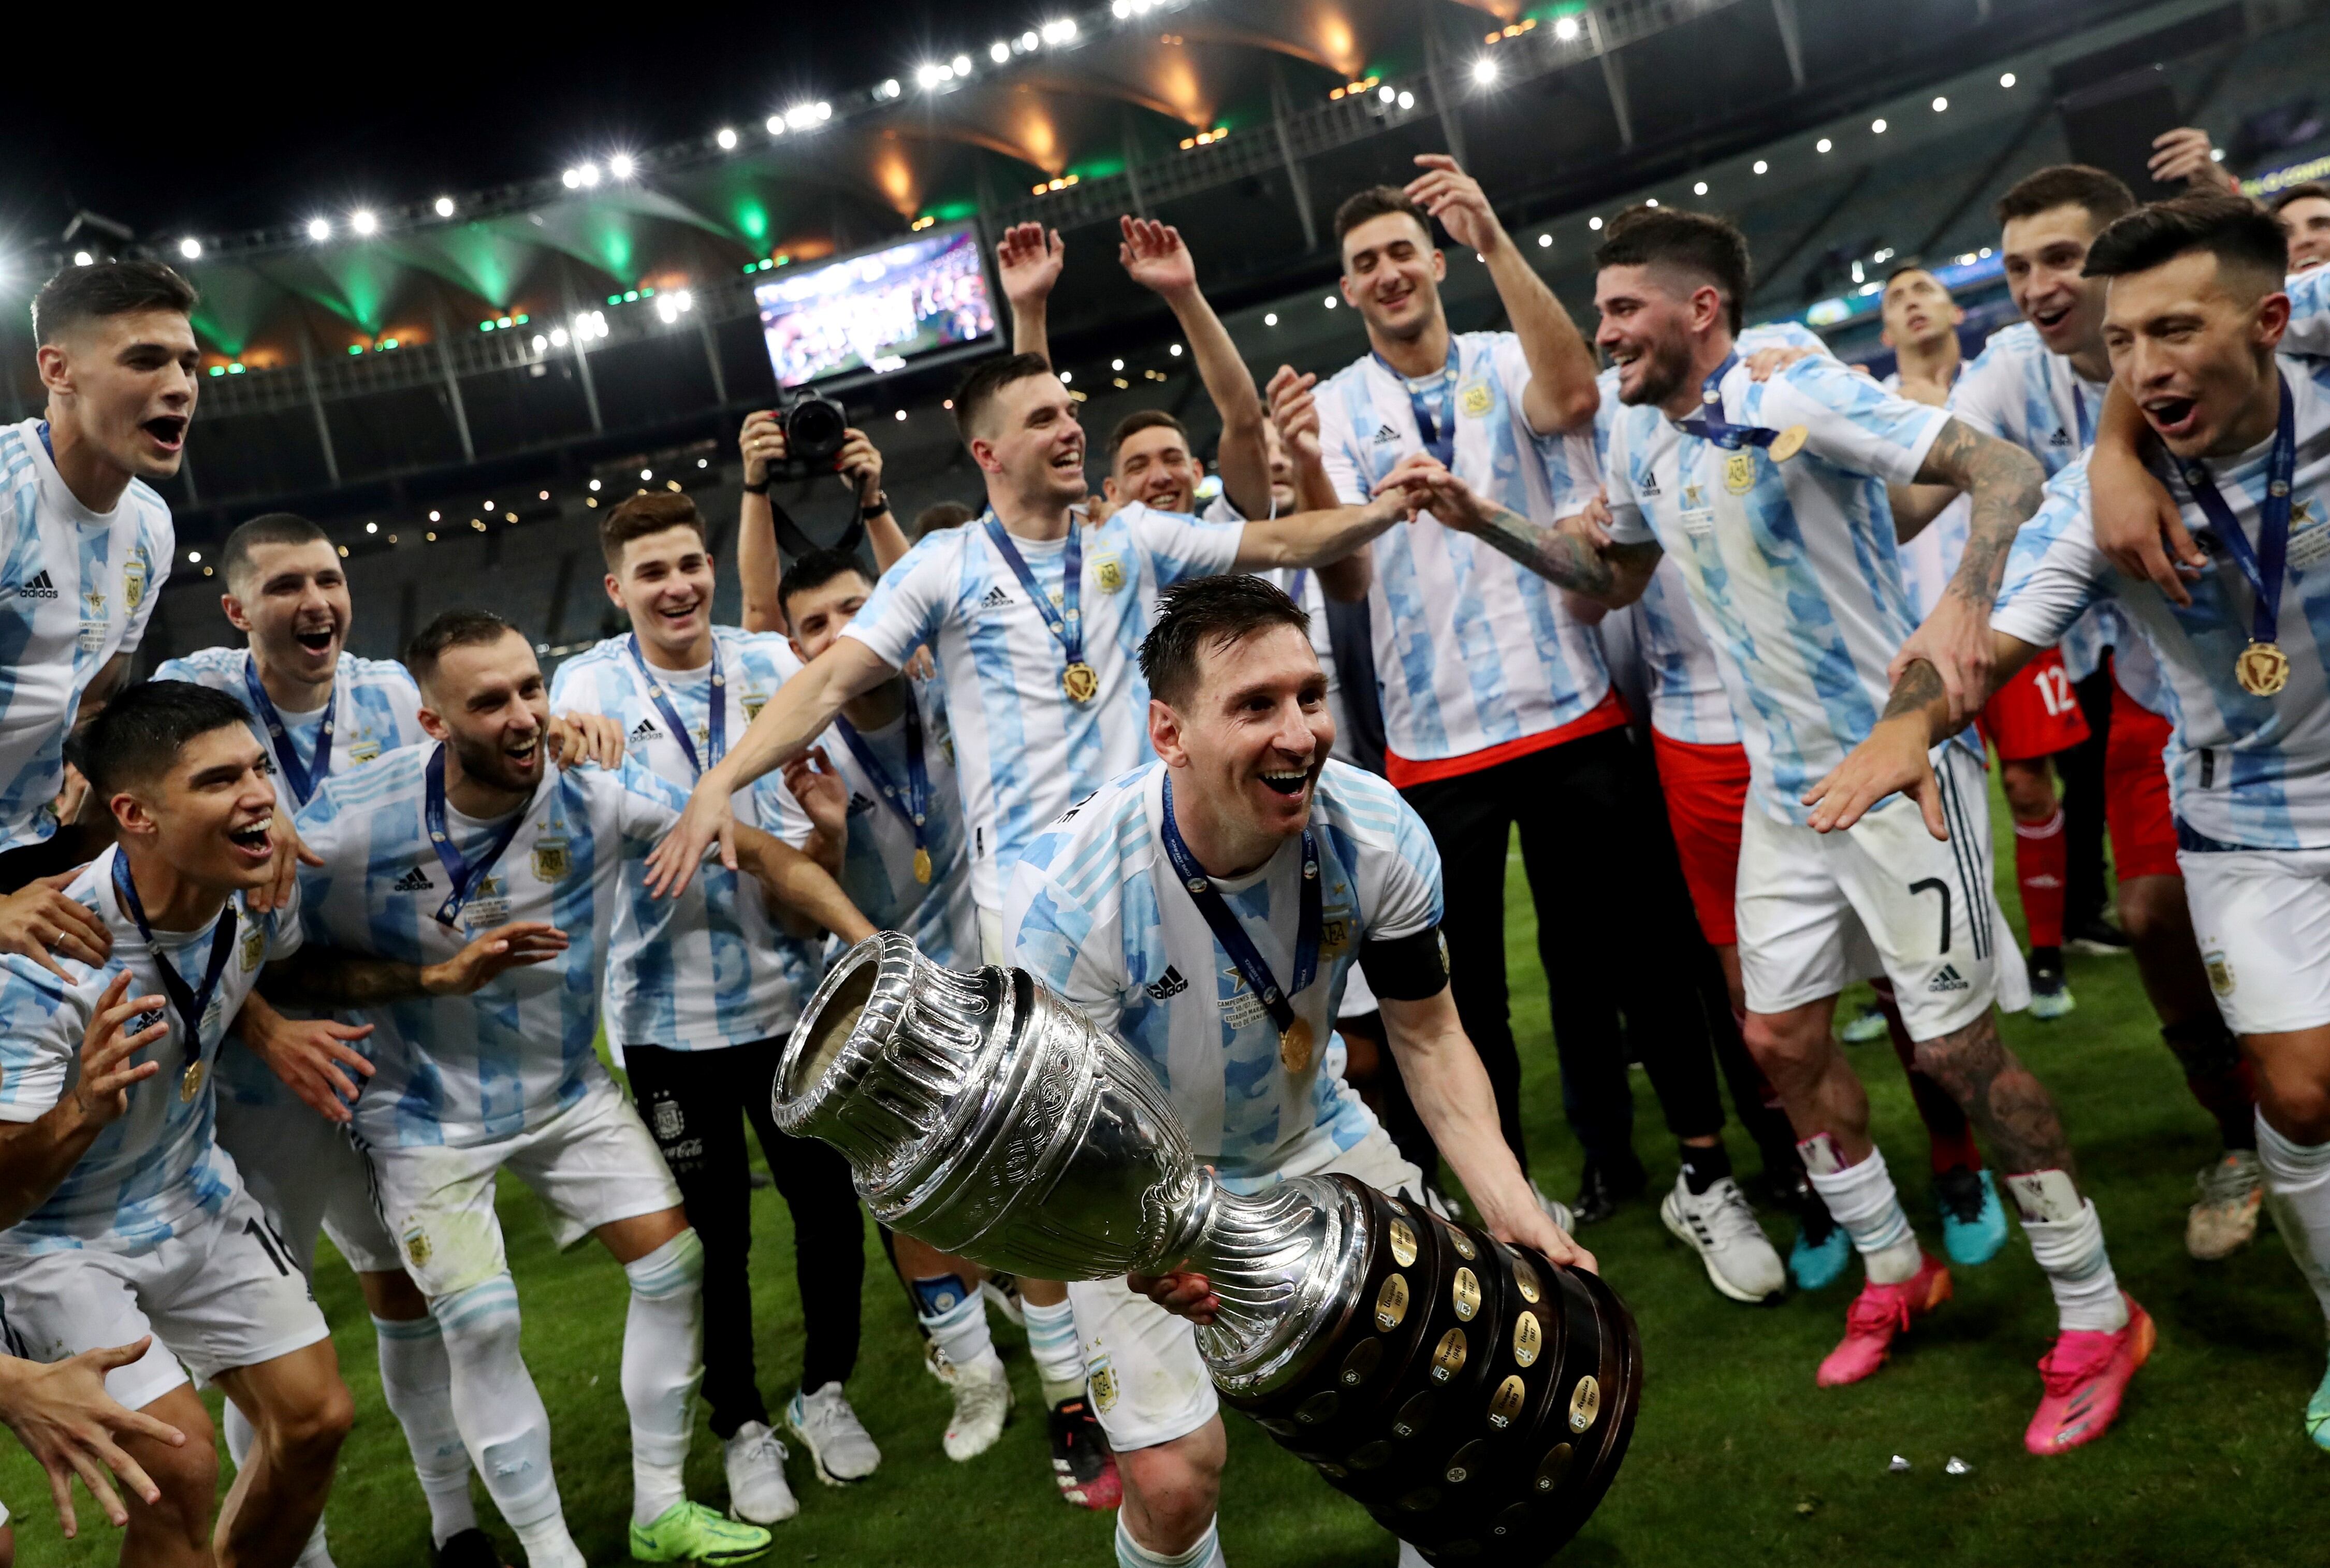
416,1379
501,1417
239,1436
962,1331
2297,1191
1206,1554
663,1361
1052,1341
2067,1238
1861,1199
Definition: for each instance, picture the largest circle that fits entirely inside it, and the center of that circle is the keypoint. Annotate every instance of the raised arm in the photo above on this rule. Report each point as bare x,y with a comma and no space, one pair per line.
1613,575
803,896
1294,409
1155,258
2005,485
1561,394
1317,538
320,976
798,713
759,567
1027,261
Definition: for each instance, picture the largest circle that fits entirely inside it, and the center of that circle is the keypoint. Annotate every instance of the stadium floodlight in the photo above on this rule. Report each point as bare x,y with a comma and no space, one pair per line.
1822,145
1330,301
1027,41
1056,34
801,115
558,338
726,138
776,125
1407,100
1544,242
571,178
621,166
902,416
998,52
2007,80
319,228
1700,189
1566,29
589,174
1485,72
540,343
1941,104
928,76
363,221
444,207
1876,128
191,248
371,527
195,557
1270,318
1762,168
888,88
84,259
594,484
1388,94
1175,350
1650,200
1066,377
685,298
960,64
1116,364
646,473
667,308
1594,224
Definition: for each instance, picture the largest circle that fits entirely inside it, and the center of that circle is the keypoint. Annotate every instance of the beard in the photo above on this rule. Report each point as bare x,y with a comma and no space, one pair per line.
489,765
1669,365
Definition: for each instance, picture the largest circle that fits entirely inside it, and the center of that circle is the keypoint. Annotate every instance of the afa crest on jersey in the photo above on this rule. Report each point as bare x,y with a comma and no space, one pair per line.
1108,572
1476,399
1740,472
135,572
552,859
254,946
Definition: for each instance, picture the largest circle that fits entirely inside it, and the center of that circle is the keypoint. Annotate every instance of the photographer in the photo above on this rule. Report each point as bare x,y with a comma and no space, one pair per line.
759,566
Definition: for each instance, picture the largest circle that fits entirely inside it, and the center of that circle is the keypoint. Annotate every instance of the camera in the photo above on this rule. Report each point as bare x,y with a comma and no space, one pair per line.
815,427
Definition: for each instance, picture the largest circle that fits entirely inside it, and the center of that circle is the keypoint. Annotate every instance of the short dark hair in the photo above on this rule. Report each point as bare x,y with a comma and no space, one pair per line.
2234,229
2311,188
1701,243
267,528
648,512
103,289
1376,202
1905,269
938,515
136,737
987,378
1206,613
812,571
2104,197
1142,419
452,629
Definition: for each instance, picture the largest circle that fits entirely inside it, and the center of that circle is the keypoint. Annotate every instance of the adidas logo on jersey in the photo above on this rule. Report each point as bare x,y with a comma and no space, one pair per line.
41,587
1384,435
415,880
1167,985
645,730
860,804
1649,486
996,598
2061,438
1949,980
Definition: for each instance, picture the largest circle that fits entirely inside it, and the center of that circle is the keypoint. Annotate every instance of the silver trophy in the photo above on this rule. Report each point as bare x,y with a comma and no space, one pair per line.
1477,1398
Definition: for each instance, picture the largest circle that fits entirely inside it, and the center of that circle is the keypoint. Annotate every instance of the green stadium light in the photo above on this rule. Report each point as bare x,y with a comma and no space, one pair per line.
646,294
218,370
614,299
629,295
485,327
503,321
355,348
235,368
522,317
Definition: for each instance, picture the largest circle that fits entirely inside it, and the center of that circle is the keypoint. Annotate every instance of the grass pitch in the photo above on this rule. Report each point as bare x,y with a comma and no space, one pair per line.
1737,1457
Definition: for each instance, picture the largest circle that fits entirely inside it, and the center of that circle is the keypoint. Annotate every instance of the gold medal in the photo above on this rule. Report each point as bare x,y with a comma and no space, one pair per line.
1787,443
922,865
1294,1046
192,1084
2262,669
1081,682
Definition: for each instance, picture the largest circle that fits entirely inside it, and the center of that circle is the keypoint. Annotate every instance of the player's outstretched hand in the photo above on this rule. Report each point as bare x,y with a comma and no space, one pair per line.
708,820
490,953
64,1418
2138,527
576,738
1295,409
1457,200
1955,641
316,1058
1892,760
1765,363
1431,487
1181,1293
1154,256
820,789
102,1091
1027,261
37,920
1528,1225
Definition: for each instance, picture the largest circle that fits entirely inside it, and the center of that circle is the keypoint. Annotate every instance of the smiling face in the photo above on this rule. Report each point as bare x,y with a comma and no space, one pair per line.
1650,320
211,815
1253,733
126,384
2043,254
664,582
817,615
2307,222
1391,276
293,601
1918,310
1154,464
1030,441
2193,343
488,703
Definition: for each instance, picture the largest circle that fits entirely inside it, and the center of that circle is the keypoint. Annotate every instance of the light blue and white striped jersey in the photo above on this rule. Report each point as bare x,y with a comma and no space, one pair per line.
466,1070
1791,565
76,588
2248,771
727,974
877,868
154,1168
1023,751
1472,650
375,708
1097,913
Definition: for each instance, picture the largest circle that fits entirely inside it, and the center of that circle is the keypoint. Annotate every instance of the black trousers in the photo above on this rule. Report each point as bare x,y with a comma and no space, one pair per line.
2081,769
689,1100
1615,936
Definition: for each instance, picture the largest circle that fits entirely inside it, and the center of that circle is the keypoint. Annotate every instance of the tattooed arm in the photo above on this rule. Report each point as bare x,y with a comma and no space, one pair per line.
320,976
2006,485
1613,575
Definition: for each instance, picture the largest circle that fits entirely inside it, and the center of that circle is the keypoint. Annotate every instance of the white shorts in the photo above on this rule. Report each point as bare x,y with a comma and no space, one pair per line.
308,1176
220,1293
1817,911
2263,920
591,1164
1148,1385
991,937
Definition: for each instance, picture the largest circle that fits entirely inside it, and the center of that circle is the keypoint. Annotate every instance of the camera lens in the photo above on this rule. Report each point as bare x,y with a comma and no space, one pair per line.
815,428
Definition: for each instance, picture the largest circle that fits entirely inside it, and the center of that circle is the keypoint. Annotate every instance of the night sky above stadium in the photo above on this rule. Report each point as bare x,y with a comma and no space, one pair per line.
210,133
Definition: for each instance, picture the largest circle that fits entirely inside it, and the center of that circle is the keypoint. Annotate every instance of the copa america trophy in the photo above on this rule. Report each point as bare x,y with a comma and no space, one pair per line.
1475,1397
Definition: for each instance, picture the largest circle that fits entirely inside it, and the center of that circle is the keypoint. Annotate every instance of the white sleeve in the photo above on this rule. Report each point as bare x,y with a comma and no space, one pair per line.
1339,450
2309,332
1988,393
902,612
574,690
1181,546
1409,899
41,1046
2055,571
646,803
1076,951
285,932
1851,421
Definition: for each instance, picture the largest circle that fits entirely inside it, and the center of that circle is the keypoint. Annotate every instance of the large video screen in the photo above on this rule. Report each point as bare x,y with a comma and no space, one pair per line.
876,310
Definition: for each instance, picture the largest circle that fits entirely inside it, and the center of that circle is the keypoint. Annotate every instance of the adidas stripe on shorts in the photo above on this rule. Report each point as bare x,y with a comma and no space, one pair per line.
1817,911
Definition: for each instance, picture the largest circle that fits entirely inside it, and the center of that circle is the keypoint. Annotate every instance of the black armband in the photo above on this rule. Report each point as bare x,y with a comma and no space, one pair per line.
1407,968
757,490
